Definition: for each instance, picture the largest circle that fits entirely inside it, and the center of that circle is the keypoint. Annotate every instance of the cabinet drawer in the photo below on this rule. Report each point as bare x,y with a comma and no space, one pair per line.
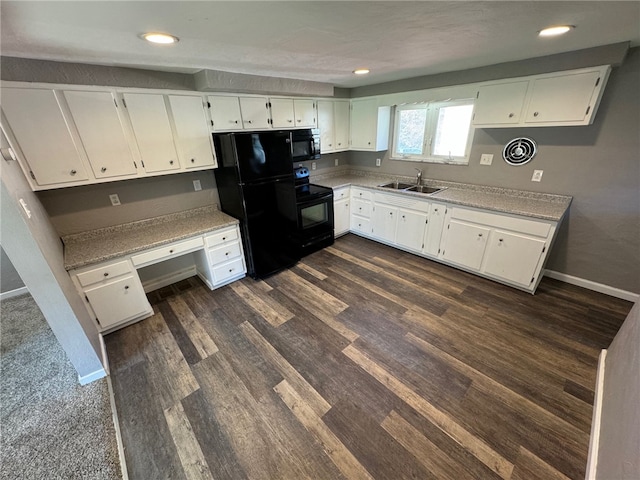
341,193
360,225
103,273
361,194
168,251
358,207
224,253
221,237
228,270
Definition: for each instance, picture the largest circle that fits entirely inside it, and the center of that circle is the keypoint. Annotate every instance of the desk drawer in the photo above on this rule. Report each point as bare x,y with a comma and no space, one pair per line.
224,253
167,251
228,270
103,273
221,237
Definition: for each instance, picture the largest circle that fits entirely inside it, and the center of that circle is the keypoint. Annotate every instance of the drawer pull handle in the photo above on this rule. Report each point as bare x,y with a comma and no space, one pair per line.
193,160
73,172
511,115
535,114
171,251
227,254
224,238
479,235
170,162
500,239
106,274
230,270
103,169
126,287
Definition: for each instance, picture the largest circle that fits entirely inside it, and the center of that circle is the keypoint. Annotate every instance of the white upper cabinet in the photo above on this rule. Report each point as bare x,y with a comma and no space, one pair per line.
305,113
192,132
100,125
369,125
501,103
553,99
225,113
562,98
282,113
333,122
255,113
43,135
152,130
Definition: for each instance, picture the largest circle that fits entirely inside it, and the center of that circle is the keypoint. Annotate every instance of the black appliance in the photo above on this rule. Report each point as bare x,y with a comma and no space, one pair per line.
314,214
256,185
306,144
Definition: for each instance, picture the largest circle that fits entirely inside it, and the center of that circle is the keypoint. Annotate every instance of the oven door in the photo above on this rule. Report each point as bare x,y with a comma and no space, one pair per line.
315,223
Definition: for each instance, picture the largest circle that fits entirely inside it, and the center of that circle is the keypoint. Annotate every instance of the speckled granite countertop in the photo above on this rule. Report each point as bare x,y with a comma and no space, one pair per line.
104,244
520,202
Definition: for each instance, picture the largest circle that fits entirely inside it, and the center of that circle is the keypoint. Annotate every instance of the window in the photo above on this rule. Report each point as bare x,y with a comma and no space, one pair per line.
433,132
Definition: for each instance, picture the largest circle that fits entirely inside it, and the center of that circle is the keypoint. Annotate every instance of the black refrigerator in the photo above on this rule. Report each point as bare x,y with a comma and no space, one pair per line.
255,184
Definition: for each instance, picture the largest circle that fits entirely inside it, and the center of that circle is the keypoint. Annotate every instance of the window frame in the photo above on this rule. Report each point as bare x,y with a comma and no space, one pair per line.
431,125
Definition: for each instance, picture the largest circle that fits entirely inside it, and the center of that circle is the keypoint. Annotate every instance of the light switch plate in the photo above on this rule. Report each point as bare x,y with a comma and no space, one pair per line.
337,161
537,175
115,200
486,159
378,162
197,186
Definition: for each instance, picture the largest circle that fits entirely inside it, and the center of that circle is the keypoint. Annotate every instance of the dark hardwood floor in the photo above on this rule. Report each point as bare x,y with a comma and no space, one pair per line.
361,362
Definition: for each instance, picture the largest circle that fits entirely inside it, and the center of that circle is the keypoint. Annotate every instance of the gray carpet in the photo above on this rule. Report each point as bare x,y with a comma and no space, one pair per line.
51,427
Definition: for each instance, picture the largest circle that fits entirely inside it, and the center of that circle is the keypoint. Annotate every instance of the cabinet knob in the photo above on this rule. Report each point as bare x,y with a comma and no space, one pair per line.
227,254
73,172
535,114
291,121
391,213
224,238
170,162
402,216
500,239
126,287
106,274
103,169
230,270
339,144
368,143
248,121
193,160
435,209
329,144
479,235
511,115
171,251
299,120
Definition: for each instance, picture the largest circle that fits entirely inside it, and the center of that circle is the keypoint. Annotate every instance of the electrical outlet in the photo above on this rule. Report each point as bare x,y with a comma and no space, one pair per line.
486,159
537,175
378,162
115,200
197,186
313,165
336,161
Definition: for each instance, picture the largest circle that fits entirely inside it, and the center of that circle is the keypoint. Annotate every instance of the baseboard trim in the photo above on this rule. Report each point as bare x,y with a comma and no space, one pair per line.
594,438
92,377
164,280
595,286
116,426
13,293
103,350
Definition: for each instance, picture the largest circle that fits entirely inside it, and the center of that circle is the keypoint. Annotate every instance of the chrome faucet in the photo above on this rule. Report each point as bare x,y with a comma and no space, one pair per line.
419,177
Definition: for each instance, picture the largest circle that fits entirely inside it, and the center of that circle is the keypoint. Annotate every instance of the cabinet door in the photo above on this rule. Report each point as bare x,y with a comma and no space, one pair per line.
326,125
410,229
282,114
502,103
513,257
341,125
255,113
100,126
151,127
341,216
305,113
465,243
192,131
363,128
435,225
562,98
118,301
43,135
225,113
385,219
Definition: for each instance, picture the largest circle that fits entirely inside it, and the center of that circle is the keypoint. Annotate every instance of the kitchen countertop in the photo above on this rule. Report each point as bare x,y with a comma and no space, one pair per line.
545,206
95,246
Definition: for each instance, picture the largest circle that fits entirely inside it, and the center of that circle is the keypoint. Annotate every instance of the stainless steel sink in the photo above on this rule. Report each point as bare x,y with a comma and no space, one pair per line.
424,189
397,185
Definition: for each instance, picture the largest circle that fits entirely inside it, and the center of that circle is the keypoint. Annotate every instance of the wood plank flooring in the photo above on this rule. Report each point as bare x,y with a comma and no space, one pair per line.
361,362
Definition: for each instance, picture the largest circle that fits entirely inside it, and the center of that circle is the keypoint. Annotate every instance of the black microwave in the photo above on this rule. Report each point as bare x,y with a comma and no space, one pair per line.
305,144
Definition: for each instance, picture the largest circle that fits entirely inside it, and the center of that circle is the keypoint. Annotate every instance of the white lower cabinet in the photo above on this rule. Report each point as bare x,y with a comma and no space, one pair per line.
385,219
341,211
410,229
433,232
513,257
361,209
464,244
225,257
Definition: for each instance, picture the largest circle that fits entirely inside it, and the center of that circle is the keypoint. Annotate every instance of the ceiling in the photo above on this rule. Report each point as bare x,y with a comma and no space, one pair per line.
322,41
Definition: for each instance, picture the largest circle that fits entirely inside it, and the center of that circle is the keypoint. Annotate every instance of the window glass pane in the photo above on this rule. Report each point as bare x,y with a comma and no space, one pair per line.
410,127
452,131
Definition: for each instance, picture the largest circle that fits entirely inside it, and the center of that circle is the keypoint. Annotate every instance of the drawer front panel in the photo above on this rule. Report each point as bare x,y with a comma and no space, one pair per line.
539,228
360,225
361,194
224,253
103,273
341,193
168,251
228,270
358,207
221,237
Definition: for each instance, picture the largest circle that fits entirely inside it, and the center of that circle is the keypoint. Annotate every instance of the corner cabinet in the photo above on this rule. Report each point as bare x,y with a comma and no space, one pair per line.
369,125
333,122
341,210
81,136
555,99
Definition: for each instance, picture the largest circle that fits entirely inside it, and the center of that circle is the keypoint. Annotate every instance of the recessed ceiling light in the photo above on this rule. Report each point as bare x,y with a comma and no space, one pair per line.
163,38
555,30
361,71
